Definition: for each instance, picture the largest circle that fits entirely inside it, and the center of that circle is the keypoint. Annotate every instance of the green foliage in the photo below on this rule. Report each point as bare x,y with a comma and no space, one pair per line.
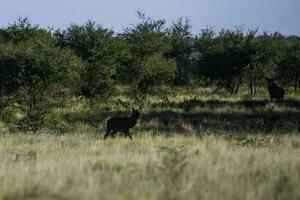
289,65
145,65
181,50
13,38
23,31
34,73
40,67
224,61
97,48
44,73
9,74
156,71
146,38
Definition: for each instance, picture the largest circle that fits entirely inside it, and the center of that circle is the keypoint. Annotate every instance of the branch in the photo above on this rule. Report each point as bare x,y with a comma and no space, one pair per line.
124,104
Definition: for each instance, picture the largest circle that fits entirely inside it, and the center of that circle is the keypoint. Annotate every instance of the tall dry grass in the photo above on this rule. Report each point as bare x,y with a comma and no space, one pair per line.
81,166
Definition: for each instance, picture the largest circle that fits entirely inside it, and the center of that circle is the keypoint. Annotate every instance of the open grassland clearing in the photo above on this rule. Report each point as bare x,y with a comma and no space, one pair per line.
80,166
192,144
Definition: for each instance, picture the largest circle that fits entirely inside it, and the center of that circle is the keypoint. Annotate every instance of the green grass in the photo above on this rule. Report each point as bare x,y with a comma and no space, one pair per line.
192,144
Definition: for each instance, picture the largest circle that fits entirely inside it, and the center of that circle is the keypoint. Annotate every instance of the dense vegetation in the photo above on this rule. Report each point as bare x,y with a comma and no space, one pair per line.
42,68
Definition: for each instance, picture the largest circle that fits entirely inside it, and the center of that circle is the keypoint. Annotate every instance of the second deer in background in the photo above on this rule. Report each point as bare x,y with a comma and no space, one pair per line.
275,92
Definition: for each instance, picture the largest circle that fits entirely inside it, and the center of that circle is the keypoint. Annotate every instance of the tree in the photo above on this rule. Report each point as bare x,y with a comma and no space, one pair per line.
156,71
202,43
181,41
9,76
289,65
21,31
43,74
225,59
34,72
265,51
2,35
145,64
97,47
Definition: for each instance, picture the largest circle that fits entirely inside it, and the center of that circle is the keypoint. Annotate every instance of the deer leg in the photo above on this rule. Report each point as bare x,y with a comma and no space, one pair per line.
113,134
127,133
107,133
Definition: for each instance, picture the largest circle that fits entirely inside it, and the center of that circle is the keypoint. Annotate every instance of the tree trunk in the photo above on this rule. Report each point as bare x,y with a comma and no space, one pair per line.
296,84
2,106
251,87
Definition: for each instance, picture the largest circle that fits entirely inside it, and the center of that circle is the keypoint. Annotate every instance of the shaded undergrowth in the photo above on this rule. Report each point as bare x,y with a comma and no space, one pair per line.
190,104
197,116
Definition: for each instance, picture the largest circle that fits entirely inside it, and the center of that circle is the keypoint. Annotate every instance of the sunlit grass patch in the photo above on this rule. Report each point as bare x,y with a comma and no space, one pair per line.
77,166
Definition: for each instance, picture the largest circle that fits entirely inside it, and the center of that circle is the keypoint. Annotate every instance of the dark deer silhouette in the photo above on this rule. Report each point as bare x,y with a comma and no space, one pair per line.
122,124
275,92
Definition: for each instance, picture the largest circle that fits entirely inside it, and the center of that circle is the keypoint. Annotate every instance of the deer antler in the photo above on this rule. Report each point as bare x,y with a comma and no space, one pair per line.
139,101
124,104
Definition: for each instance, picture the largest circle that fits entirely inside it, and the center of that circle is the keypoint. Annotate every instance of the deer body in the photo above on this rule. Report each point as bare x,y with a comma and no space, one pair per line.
122,124
275,92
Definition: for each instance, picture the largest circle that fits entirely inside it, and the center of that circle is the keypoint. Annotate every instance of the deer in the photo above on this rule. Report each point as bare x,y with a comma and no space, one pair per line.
275,92
122,124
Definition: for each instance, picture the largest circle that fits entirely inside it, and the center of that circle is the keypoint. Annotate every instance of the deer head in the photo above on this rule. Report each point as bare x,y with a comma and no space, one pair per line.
133,110
270,81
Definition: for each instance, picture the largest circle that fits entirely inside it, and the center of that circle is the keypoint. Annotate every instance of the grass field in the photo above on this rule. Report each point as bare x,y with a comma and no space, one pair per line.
194,144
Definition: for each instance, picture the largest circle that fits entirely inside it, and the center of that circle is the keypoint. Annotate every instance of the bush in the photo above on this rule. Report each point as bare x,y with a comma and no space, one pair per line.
43,73
97,48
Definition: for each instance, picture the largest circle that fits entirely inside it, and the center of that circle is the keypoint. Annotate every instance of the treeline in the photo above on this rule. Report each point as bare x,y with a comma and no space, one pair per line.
39,66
